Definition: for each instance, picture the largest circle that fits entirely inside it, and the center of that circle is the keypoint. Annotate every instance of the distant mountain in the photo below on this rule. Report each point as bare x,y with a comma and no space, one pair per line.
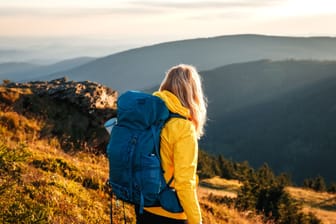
144,67
15,67
25,71
7,55
281,112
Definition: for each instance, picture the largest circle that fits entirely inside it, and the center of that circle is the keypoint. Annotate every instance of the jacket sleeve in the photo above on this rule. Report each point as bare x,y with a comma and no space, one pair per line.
185,165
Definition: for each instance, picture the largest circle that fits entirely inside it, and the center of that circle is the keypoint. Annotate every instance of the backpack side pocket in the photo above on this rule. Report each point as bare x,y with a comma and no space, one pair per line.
149,179
169,200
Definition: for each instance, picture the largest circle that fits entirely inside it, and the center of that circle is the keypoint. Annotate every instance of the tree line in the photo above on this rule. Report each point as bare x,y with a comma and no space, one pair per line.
262,191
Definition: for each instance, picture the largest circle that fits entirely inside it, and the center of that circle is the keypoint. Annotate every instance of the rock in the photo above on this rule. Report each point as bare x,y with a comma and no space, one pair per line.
73,110
87,95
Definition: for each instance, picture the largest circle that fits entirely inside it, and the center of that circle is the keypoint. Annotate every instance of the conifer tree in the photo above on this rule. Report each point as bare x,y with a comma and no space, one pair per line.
332,188
319,184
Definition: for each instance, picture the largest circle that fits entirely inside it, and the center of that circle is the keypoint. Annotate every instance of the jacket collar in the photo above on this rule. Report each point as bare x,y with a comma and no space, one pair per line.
173,103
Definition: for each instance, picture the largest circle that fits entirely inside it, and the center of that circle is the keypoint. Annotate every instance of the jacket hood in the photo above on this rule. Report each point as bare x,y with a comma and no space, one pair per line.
173,103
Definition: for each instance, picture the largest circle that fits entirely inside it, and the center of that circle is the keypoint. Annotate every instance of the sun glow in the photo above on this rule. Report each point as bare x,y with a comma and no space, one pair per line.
145,22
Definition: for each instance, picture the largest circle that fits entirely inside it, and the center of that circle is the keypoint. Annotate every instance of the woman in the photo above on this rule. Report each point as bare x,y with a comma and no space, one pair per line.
181,90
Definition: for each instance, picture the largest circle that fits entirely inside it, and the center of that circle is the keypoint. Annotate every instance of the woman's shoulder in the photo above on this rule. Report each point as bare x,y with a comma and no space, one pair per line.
177,128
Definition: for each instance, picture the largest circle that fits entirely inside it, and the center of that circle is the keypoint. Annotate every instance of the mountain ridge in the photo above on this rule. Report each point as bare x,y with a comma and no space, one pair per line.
22,71
149,63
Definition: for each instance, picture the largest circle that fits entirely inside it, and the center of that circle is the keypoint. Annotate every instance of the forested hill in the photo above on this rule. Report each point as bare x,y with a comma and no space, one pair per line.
278,112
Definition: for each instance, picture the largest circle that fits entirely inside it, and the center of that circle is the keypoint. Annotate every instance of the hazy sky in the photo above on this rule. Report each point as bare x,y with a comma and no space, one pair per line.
121,24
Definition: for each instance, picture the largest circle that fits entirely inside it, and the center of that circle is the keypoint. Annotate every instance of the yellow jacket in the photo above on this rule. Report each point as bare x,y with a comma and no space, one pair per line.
179,151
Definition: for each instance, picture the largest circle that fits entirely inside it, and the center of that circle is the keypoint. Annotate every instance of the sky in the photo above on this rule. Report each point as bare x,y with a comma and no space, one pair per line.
100,27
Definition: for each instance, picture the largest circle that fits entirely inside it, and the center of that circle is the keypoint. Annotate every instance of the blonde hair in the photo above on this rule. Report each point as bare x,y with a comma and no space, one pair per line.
185,83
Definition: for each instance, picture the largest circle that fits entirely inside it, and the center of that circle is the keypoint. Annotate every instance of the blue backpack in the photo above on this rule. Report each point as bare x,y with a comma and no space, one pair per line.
135,172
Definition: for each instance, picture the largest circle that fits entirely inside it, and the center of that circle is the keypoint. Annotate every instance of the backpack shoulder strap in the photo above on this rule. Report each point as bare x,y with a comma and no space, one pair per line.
175,115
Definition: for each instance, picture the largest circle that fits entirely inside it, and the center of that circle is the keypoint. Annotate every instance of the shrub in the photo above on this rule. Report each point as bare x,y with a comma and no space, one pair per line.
264,193
332,188
9,95
18,126
11,120
317,184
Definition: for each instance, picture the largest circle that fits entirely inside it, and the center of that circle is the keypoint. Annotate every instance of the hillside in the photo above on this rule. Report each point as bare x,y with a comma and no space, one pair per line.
147,65
321,204
12,67
53,167
281,113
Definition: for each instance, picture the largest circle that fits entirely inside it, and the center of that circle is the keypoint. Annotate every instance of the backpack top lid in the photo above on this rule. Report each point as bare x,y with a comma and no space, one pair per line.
138,110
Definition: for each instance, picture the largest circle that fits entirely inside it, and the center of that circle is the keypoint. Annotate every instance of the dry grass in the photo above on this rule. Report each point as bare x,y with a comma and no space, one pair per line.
18,128
327,217
10,95
69,201
213,213
72,190
220,186
216,212
70,186
322,204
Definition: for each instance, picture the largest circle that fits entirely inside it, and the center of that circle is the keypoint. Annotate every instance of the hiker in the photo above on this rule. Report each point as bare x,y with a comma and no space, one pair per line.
181,90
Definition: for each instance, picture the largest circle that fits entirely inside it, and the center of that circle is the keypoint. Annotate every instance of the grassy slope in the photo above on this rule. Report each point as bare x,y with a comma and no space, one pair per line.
323,205
41,182
216,212
70,186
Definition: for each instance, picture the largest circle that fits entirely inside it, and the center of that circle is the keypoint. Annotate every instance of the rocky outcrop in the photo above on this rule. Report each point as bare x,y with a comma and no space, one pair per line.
73,111
87,95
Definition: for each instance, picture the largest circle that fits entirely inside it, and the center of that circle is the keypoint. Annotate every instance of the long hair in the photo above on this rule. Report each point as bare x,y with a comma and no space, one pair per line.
185,83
